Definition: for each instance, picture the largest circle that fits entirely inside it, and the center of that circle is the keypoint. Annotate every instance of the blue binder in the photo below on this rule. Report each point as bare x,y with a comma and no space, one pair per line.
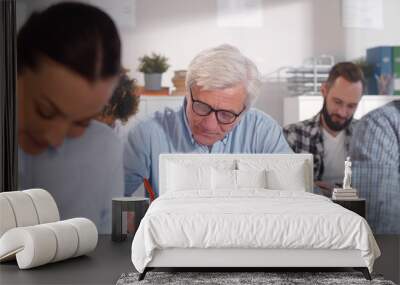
381,59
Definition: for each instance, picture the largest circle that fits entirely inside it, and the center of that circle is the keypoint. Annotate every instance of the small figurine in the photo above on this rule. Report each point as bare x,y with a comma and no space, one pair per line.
347,174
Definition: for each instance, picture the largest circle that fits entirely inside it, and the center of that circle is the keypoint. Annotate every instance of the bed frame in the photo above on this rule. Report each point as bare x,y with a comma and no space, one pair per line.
245,259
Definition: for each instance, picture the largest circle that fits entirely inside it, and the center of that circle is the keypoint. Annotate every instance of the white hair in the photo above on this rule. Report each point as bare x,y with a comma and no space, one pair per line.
224,67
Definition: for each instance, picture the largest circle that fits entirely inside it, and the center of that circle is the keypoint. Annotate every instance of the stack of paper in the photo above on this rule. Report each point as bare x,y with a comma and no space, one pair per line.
344,194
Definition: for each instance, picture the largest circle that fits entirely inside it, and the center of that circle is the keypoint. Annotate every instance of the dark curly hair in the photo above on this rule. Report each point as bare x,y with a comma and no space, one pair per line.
123,103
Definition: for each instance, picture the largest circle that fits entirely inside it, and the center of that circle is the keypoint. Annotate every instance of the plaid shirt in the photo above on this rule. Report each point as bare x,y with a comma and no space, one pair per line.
375,152
306,137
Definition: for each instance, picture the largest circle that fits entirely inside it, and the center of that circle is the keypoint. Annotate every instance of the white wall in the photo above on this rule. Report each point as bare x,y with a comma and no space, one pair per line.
292,30
181,28
358,40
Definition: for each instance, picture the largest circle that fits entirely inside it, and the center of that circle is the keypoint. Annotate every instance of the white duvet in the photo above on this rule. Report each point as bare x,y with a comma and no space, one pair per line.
252,218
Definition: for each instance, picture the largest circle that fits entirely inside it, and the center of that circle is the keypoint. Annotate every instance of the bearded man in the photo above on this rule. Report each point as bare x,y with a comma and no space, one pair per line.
327,135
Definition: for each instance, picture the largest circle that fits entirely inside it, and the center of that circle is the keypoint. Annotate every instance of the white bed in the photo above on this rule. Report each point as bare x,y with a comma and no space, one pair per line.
247,210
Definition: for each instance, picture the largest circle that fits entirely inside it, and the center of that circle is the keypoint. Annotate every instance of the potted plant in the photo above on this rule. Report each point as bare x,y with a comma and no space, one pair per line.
153,67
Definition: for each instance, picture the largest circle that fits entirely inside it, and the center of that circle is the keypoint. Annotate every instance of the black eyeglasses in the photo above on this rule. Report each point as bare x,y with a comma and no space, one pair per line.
203,109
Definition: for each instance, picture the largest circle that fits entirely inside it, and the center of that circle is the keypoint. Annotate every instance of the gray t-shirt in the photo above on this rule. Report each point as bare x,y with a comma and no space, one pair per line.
82,175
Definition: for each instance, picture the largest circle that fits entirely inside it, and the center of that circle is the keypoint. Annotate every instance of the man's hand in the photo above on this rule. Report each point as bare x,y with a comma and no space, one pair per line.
325,187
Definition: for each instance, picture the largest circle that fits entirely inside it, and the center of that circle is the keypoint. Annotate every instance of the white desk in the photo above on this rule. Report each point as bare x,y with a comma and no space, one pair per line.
299,108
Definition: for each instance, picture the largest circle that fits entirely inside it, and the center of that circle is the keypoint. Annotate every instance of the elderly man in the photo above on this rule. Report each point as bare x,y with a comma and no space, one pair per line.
327,135
375,151
215,117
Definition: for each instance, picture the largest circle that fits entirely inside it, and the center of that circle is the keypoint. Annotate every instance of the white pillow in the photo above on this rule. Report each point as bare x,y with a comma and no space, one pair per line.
223,179
182,177
280,174
236,179
251,178
293,180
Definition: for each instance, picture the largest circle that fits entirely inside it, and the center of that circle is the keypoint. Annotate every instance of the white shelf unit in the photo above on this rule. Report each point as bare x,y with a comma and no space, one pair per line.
150,104
307,78
299,108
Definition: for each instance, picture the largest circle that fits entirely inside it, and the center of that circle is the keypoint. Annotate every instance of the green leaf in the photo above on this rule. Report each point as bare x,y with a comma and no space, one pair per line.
156,63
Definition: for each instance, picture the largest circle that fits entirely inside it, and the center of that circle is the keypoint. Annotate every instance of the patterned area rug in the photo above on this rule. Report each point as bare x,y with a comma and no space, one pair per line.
269,278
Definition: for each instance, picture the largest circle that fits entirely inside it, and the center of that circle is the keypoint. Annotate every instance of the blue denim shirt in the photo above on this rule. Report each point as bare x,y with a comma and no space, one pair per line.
168,132
82,175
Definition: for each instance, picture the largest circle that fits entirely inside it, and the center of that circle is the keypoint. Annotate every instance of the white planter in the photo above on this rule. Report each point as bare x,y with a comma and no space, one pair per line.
152,81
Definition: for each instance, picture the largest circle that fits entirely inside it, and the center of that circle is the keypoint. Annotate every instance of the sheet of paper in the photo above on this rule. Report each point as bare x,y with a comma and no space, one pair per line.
367,14
239,13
